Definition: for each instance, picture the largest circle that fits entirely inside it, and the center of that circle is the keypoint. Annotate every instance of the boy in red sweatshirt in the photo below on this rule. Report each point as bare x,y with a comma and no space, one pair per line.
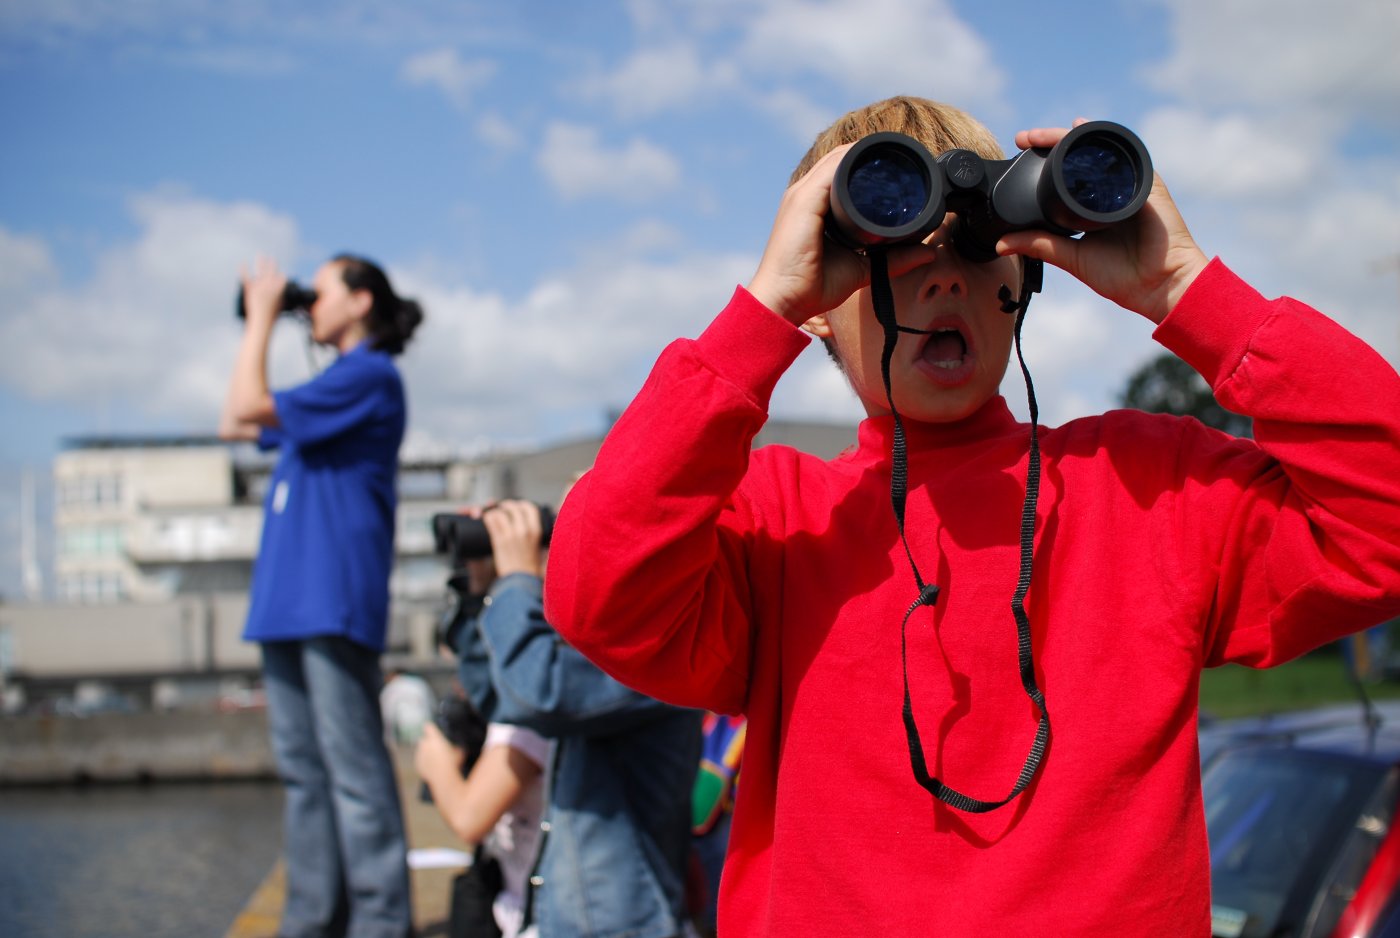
778,586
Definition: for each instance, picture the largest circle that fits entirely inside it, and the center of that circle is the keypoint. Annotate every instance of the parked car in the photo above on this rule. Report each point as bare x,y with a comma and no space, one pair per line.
1301,812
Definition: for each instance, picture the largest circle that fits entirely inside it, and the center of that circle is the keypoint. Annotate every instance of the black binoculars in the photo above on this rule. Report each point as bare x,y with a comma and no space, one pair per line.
890,190
463,537
295,299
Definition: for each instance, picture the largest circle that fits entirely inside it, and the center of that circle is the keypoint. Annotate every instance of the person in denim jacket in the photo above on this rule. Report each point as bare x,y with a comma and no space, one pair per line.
614,855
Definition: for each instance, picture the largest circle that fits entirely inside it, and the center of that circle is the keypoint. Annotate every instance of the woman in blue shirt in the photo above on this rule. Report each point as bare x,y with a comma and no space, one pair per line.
320,593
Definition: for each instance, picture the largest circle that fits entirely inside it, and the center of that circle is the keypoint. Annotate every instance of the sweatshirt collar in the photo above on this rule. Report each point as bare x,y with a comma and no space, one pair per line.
992,419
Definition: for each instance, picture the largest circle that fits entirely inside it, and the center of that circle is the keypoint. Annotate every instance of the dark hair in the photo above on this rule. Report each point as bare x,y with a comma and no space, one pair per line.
392,318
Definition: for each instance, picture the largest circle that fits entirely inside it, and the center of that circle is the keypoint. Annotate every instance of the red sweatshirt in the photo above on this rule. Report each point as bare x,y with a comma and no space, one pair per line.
773,584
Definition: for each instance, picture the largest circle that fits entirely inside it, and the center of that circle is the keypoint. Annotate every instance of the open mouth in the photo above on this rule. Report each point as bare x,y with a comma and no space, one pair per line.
946,348
948,356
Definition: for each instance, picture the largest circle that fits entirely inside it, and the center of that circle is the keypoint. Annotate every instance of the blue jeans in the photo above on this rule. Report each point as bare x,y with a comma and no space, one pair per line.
344,846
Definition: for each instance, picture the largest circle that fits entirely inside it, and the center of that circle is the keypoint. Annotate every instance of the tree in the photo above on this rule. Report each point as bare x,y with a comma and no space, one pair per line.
1167,385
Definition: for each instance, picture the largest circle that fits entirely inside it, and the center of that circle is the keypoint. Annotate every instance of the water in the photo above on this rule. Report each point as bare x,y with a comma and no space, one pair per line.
104,861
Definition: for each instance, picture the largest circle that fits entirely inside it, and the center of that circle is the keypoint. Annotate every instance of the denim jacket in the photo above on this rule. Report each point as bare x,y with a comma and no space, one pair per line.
617,825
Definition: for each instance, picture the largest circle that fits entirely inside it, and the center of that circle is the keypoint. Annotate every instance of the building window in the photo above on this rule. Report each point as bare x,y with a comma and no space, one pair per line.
97,540
91,491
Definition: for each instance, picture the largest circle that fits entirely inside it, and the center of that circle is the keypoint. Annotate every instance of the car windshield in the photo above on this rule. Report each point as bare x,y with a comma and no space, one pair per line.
1276,819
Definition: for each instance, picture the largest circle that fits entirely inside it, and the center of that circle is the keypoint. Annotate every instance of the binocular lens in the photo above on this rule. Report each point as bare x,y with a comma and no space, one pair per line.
1100,175
889,188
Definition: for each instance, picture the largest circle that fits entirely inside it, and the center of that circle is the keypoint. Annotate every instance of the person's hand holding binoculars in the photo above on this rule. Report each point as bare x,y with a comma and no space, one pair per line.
517,535
1144,264
262,292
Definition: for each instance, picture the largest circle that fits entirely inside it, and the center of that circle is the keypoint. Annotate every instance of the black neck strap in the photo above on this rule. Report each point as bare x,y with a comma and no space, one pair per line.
882,298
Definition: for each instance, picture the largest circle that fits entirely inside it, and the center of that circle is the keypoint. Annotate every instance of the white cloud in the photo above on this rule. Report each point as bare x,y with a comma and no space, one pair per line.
815,389
447,71
232,36
875,47
152,333
647,237
25,264
1080,349
553,361
1239,156
498,133
1337,251
796,111
657,78
1262,149
577,164
759,55
1285,55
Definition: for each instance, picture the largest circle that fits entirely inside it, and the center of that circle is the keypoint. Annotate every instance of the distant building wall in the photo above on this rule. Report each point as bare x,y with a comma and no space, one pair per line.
189,634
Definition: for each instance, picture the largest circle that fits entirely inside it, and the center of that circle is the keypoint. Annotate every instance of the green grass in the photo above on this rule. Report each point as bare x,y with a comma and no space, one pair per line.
1308,682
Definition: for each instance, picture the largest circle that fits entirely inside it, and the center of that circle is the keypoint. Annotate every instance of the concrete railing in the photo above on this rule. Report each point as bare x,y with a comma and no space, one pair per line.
124,747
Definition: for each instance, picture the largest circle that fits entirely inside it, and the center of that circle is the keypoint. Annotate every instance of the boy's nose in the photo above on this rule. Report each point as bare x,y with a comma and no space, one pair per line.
944,273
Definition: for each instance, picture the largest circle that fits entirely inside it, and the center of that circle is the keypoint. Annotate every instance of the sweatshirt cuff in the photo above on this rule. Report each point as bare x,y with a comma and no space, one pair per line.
750,345
1214,322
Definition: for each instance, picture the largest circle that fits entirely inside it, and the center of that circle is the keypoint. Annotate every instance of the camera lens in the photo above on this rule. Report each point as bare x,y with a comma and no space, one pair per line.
888,187
1100,175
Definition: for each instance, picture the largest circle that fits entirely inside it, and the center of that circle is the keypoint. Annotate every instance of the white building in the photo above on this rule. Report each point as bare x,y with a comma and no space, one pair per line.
150,519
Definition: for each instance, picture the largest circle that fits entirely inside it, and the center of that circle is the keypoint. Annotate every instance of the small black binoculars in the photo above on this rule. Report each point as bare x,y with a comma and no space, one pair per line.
890,190
295,299
462,537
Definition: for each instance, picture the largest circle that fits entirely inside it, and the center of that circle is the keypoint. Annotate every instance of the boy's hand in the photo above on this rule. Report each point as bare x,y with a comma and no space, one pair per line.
1144,264
802,273
516,533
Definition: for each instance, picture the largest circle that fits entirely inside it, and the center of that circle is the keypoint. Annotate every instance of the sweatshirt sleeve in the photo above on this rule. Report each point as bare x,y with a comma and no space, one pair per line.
1310,549
647,565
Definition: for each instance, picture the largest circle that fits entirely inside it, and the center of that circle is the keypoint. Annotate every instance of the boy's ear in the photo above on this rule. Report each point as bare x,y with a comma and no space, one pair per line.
819,326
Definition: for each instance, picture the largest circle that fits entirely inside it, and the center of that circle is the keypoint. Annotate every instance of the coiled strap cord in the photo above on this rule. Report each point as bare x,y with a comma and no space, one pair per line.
882,298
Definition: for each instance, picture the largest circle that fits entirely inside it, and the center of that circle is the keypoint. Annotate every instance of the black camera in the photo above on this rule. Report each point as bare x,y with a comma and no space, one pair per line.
463,727
890,190
295,299
463,537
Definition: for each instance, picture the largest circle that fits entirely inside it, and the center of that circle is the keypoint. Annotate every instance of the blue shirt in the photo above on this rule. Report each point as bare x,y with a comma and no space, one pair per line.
328,523
617,819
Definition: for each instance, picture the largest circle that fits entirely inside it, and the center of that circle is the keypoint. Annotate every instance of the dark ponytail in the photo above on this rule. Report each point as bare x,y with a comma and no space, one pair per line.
392,318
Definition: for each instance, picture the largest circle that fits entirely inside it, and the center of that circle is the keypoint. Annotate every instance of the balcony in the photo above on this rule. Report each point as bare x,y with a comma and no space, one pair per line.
191,537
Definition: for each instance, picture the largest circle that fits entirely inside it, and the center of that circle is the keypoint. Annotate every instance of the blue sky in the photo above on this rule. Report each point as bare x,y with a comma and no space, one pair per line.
566,186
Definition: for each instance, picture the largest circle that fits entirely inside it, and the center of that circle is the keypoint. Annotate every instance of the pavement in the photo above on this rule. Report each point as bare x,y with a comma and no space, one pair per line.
432,888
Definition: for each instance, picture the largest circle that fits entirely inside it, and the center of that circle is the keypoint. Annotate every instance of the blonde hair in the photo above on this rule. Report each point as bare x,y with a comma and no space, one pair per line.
936,125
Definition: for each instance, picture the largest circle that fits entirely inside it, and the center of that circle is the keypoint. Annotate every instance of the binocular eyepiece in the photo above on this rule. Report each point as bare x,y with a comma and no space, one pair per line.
463,537
295,299
890,190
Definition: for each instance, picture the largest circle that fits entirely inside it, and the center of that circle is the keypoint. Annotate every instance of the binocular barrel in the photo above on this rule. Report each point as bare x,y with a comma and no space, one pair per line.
463,537
890,190
295,299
